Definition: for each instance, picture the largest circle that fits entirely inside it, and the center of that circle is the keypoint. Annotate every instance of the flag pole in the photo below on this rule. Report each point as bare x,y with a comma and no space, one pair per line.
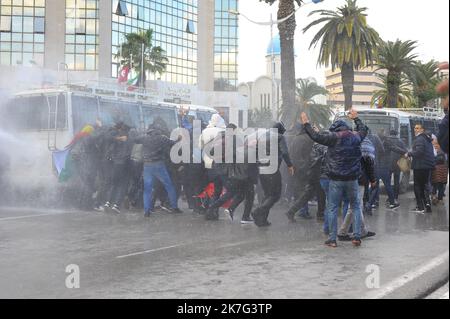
142,65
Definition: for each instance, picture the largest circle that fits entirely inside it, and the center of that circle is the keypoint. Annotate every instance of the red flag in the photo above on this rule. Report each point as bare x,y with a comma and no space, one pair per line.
123,74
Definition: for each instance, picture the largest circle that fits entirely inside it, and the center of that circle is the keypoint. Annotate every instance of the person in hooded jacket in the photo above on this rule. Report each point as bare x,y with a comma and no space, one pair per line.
272,183
307,160
344,169
241,181
213,135
300,148
367,177
119,154
423,163
155,149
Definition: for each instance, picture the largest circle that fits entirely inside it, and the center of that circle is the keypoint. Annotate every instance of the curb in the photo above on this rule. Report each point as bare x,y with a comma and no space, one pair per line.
418,283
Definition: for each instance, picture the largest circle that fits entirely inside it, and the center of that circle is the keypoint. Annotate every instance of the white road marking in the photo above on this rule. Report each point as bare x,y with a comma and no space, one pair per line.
149,251
174,246
31,216
408,277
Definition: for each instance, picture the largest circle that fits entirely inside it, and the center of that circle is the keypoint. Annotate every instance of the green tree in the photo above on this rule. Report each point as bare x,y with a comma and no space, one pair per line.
405,97
155,60
424,78
287,32
346,41
397,58
306,90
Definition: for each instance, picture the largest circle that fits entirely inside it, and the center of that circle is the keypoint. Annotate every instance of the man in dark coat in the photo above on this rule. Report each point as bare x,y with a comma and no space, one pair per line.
344,169
300,149
423,164
272,183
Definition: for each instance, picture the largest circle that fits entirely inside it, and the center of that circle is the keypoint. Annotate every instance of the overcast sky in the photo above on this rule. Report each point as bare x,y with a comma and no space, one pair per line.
425,21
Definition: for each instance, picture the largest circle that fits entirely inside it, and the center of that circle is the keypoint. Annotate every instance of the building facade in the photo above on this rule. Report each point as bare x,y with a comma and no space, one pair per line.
80,40
366,83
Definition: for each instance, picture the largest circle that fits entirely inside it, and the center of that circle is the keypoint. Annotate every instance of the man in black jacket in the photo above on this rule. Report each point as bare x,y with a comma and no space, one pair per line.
395,148
155,149
300,149
344,166
272,183
119,154
307,170
423,164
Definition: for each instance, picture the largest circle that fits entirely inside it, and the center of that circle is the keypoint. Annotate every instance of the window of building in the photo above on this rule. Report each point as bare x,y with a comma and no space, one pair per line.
190,28
5,24
122,9
39,25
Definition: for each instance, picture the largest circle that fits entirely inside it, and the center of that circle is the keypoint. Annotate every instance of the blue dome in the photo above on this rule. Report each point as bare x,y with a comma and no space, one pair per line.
276,46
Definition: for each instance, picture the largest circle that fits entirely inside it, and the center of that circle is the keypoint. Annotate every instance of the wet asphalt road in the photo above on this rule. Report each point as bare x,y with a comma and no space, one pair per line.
184,256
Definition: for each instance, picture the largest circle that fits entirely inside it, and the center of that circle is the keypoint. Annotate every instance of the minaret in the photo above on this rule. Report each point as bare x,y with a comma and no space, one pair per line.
276,57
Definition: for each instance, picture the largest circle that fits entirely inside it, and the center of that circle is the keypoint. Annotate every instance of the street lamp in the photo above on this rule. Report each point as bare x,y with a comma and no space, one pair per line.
271,23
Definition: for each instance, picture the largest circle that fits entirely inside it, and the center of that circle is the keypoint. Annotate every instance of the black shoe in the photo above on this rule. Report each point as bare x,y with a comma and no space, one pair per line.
175,211
394,206
247,220
344,238
264,224
212,215
305,216
291,217
166,208
418,210
331,243
369,234
428,209
148,214
116,209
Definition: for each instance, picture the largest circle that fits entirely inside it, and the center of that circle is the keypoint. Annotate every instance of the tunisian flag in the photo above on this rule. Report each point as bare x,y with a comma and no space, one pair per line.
123,74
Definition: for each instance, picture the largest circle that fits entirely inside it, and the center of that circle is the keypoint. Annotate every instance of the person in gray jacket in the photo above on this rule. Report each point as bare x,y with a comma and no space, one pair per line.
155,148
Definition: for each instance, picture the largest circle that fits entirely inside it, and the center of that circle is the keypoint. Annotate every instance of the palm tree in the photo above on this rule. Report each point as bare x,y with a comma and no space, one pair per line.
405,96
397,58
155,60
425,78
287,32
347,42
306,90
260,118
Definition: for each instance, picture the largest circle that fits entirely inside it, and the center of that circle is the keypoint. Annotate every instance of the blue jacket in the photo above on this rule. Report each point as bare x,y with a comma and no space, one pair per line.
443,134
344,149
423,152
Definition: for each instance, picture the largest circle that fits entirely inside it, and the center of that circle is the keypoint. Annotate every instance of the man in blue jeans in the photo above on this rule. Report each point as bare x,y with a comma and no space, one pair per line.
155,149
344,168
